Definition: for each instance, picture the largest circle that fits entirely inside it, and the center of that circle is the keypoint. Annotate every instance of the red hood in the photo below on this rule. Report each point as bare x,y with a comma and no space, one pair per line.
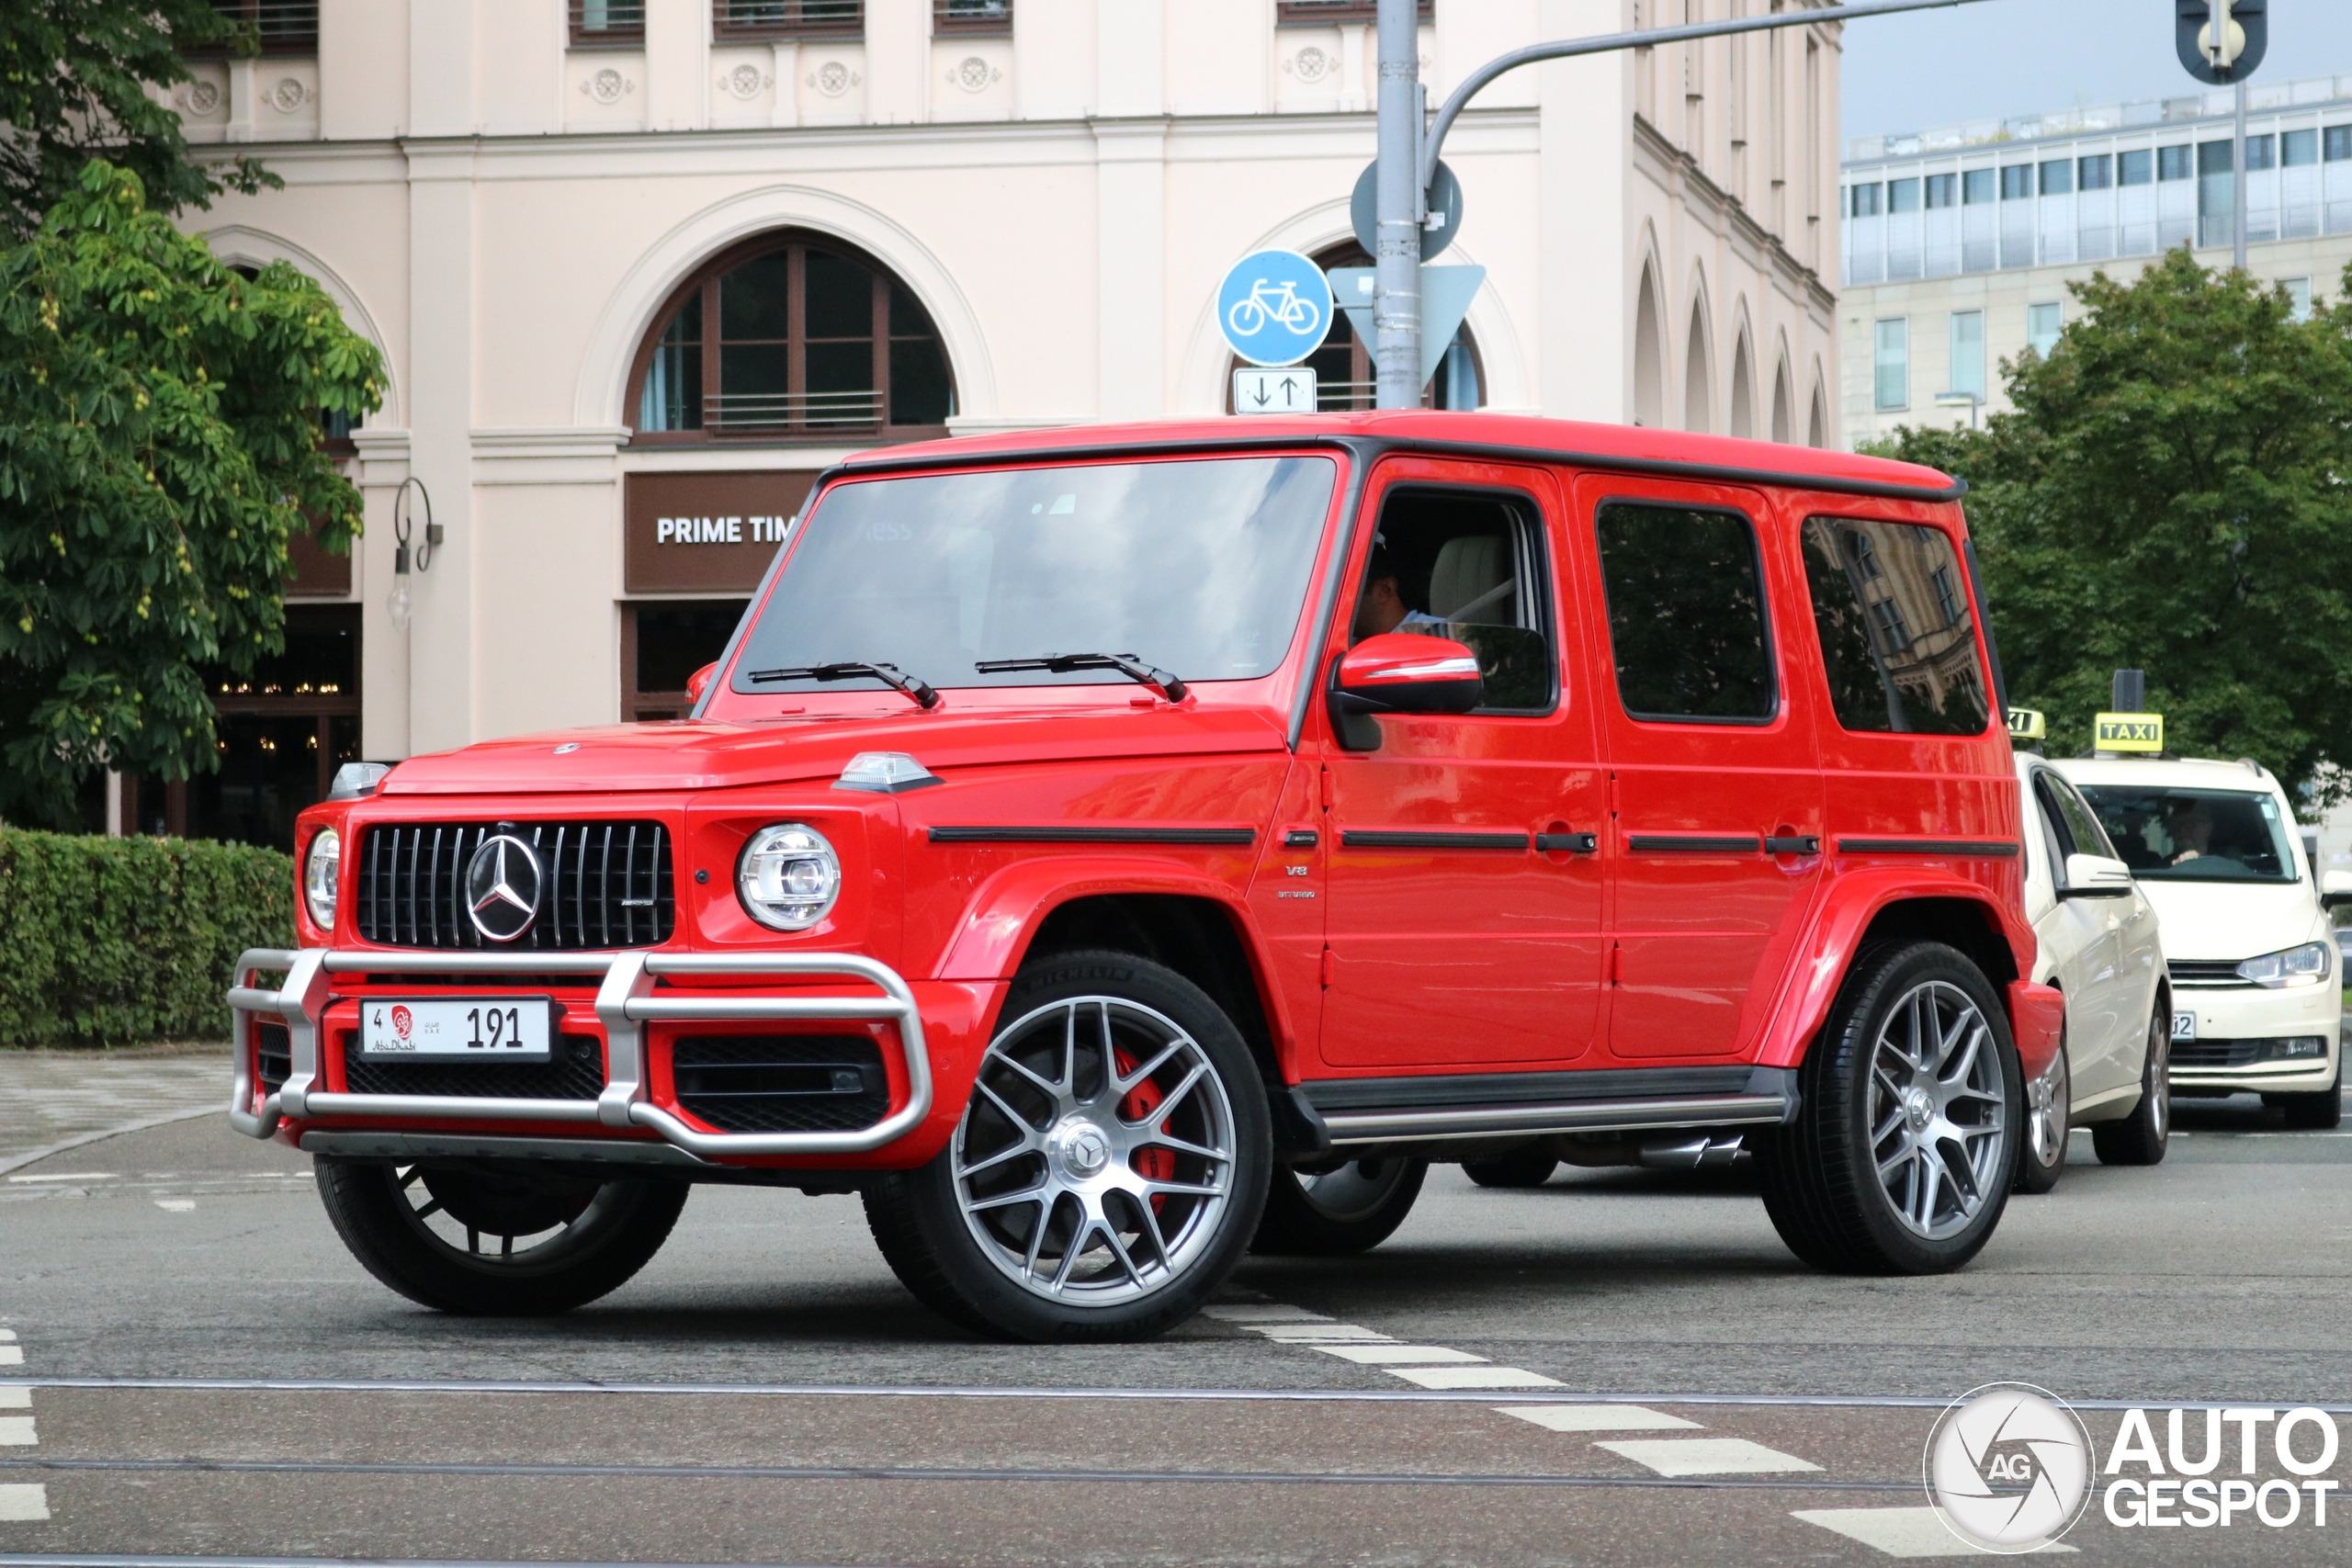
704,754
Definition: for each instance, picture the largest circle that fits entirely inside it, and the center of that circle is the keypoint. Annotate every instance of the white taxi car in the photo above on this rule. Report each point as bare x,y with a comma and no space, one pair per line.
2256,980
2098,944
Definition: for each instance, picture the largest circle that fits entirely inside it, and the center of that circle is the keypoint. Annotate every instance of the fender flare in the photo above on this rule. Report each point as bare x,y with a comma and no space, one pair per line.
1835,935
1003,915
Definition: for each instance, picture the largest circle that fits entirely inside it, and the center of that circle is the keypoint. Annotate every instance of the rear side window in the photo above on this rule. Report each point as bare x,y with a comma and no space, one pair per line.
1897,636
1686,614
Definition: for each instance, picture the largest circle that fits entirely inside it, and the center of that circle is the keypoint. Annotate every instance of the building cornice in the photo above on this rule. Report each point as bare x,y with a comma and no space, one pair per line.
1675,166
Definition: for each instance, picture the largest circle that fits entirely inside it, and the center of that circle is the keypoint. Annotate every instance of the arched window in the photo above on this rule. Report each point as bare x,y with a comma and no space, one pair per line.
791,337
1783,417
1346,381
1743,392
1698,370
1649,357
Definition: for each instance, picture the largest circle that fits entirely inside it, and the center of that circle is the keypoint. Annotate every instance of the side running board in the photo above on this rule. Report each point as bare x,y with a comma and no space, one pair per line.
1384,1111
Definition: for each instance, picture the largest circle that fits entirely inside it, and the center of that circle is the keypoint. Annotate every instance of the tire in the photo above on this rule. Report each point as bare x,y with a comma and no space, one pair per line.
2141,1137
1527,1168
1351,1210
1918,1027
1158,1174
2048,1102
2314,1112
426,1232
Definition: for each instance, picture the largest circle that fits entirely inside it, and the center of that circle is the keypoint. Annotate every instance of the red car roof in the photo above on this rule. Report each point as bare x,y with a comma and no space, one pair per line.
1617,445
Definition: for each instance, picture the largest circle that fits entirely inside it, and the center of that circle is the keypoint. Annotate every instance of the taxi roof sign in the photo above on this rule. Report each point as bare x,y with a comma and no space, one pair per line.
2027,724
2129,732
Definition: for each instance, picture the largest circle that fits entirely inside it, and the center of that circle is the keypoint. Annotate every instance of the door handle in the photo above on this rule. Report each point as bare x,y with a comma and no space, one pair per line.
1572,843
1791,844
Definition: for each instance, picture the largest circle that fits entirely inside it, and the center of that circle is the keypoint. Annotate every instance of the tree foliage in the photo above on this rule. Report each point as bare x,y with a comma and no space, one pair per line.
75,76
2171,494
159,441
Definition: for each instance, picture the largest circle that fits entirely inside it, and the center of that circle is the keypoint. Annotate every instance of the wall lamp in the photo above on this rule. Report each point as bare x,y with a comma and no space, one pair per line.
398,605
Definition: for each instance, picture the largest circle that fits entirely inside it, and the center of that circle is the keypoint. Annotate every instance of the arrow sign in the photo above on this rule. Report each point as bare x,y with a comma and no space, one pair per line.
1274,391
1446,293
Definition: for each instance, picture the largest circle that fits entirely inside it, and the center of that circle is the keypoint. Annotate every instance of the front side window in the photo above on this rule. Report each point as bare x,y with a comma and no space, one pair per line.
1470,566
1199,568
1897,640
1686,614
2073,823
2195,835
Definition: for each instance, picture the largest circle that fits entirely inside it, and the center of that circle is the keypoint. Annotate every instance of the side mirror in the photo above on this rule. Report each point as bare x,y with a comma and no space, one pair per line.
2335,888
699,681
2095,876
1400,673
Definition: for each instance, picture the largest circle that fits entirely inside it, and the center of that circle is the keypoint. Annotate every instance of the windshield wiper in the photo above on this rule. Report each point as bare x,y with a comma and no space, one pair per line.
1062,663
889,674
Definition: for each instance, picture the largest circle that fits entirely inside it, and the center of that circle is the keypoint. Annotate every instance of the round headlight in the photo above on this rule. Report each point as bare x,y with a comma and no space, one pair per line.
789,877
318,874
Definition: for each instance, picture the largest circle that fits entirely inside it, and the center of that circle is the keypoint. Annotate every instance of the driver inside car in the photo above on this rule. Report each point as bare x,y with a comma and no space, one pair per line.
1383,607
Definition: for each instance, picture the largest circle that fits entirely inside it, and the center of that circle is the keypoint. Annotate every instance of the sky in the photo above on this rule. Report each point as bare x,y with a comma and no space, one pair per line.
2000,58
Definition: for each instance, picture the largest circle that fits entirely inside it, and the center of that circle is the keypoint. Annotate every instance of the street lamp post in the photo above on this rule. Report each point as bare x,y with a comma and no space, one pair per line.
1397,305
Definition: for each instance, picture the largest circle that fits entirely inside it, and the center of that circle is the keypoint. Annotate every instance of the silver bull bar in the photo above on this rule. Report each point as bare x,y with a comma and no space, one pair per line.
624,1003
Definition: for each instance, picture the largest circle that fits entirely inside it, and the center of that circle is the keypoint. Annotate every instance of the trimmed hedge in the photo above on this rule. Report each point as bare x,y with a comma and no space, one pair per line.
122,942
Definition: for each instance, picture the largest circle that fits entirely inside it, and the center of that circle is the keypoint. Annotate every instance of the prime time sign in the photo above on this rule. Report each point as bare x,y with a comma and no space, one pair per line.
707,533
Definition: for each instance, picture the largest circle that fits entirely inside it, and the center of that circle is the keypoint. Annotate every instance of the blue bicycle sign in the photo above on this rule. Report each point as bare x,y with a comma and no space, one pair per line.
1274,307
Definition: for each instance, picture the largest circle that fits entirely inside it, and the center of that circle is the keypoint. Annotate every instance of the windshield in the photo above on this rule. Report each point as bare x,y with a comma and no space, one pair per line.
2195,835
1199,568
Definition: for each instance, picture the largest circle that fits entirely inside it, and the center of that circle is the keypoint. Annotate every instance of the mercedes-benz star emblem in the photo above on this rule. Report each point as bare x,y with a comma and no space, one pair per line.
503,884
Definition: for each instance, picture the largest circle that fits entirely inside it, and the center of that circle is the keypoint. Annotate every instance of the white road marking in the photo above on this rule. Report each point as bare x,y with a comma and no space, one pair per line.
1706,1456
1475,1377
1270,1312
19,1501
1320,1334
16,1432
12,1355
71,1175
177,1205
1596,1417
1901,1532
16,1399
1397,1355
8,1337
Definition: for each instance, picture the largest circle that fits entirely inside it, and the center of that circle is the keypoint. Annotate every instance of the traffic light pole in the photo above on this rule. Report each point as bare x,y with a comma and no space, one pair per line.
1408,153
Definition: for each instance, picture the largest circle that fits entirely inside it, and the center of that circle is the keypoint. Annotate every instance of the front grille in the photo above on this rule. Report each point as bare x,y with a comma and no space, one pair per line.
576,1073
604,884
273,1056
781,1083
2289,1050
2208,974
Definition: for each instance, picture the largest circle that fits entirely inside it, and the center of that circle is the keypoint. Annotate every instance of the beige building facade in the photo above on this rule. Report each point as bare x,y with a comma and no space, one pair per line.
1959,244
639,271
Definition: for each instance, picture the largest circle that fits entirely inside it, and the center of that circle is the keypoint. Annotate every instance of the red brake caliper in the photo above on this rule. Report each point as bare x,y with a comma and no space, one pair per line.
1141,1101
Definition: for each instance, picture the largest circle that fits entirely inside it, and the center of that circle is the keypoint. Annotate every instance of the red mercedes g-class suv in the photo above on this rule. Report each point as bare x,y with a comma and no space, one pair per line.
1109,851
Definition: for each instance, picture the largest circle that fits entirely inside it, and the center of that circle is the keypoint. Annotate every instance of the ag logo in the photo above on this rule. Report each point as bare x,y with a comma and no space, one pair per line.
2008,1467
503,887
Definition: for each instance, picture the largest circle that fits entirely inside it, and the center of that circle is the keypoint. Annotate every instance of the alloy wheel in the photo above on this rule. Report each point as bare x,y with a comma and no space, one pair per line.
1937,1110
2047,1110
1097,1155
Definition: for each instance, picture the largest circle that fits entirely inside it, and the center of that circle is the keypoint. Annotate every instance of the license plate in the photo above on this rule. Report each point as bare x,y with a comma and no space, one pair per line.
474,1029
2184,1026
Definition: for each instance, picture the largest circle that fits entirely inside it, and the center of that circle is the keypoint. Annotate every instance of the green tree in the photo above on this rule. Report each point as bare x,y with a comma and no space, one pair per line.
2170,494
75,76
159,441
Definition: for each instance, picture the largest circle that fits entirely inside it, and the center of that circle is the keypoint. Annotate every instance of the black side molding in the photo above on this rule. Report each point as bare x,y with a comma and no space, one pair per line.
1992,849
1065,835
1432,838
1694,843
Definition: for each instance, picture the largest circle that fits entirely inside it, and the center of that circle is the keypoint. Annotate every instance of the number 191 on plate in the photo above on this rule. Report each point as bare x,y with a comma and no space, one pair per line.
506,1029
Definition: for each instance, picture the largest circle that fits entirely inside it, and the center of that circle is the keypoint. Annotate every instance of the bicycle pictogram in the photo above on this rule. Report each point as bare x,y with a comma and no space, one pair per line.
1280,306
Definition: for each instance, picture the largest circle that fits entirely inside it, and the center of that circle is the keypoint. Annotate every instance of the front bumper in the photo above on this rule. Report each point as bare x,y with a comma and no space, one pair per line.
624,1003
2236,1025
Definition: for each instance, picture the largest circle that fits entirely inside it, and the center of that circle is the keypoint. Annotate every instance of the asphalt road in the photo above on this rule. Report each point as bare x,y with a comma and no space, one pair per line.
765,1391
